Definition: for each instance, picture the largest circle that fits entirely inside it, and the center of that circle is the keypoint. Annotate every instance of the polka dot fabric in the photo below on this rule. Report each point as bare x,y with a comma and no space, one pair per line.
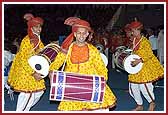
152,70
20,75
95,66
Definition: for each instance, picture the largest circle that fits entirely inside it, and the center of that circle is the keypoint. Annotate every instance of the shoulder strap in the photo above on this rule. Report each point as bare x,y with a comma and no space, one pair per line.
66,57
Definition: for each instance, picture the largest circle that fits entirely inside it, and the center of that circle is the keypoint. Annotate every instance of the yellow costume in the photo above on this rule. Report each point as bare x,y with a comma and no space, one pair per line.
152,70
85,60
20,76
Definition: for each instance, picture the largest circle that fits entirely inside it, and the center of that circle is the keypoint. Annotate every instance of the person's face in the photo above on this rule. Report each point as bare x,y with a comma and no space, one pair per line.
129,35
136,32
37,29
81,34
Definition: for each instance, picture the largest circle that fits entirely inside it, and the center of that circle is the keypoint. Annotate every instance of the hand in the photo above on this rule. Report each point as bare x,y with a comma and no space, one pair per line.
135,62
37,76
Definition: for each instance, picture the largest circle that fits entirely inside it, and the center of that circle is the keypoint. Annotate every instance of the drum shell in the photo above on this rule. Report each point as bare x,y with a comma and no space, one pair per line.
41,62
50,52
119,58
76,87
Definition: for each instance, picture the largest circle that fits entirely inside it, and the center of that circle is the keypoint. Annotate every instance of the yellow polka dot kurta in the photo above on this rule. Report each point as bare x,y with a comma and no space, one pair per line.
152,70
20,76
94,65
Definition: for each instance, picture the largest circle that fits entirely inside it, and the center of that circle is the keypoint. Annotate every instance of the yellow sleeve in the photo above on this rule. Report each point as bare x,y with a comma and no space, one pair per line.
41,45
58,61
99,64
24,54
146,51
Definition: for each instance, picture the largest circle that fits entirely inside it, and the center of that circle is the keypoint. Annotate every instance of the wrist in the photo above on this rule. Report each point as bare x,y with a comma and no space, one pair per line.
141,60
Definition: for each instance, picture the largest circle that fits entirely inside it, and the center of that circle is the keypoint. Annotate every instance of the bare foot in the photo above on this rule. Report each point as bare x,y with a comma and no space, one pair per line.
138,108
152,106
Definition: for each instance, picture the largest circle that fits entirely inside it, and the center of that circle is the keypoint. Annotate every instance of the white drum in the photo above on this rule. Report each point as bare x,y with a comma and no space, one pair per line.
129,68
105,60
123,59
41,62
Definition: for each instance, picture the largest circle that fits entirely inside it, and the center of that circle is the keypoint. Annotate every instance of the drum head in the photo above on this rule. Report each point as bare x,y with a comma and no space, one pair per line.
39,64
105,60
128,67
100,47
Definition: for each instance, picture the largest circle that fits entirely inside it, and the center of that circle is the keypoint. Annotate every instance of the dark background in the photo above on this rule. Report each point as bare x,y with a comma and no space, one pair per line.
99,16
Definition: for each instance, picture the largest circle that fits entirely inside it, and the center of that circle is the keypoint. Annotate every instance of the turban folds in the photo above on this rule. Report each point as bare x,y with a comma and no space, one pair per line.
75,23
33,21
135,25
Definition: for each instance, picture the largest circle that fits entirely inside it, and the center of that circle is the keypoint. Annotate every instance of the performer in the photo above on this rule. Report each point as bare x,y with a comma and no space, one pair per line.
151,71
82,58
22,78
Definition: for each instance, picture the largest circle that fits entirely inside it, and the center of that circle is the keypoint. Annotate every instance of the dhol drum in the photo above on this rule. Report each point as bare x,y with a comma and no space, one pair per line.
129,68
123,59
119,56
40,63
76,87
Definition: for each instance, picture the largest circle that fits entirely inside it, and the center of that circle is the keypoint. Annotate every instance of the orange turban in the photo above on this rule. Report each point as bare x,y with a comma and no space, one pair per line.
75,23
33,21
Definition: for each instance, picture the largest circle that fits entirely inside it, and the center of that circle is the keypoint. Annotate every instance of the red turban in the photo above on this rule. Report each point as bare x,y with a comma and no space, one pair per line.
136,25
32,21
75,23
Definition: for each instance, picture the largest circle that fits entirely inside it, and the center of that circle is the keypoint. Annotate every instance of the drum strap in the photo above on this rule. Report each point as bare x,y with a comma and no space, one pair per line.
136,45
66,57
35,44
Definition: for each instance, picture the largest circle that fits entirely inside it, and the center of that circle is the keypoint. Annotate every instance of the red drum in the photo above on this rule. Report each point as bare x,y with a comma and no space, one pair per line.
41,62
50,52
123,59
120,56
77,87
